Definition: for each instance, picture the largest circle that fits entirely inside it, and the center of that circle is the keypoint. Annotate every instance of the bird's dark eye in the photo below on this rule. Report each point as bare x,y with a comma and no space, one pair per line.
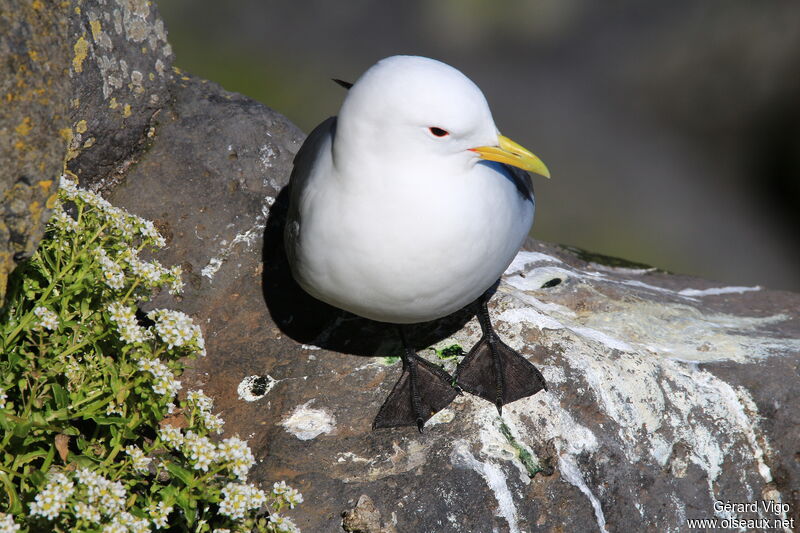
439,132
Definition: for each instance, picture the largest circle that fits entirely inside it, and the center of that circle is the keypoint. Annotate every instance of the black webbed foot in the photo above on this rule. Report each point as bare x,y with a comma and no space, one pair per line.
422,390
494,371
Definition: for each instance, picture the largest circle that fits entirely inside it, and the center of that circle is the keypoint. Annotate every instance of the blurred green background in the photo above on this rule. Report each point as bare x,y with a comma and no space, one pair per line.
672,129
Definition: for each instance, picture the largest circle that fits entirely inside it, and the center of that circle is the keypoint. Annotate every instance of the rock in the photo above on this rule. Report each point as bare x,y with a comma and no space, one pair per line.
121,65
364,518
92,73
34,92
666,392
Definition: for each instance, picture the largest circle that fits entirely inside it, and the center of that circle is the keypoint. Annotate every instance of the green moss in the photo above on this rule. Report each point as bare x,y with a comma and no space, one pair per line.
448,352
528,460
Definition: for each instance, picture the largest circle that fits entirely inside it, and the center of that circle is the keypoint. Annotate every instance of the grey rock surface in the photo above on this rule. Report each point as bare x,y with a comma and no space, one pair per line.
666,392
92,74
34,95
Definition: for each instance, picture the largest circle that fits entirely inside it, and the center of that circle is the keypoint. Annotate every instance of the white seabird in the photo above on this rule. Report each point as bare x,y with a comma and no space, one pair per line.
405,208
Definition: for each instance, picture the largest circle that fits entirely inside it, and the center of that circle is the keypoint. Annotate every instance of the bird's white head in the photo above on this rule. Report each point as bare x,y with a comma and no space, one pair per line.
409,106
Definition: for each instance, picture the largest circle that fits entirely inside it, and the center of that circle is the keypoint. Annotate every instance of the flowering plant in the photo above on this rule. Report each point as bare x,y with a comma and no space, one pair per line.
94,434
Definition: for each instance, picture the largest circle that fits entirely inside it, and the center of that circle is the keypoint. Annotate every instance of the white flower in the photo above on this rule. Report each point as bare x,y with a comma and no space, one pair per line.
158,514
115,527
87,512
53,498
140,461
67,187
175,327
176,283
221,530
47,319
293,498
3,397
281,523
62,221
7,524
239,498
171,436
150,271
108,496
113,409
113,275
236,452
200,400
199,449
213,422
148,230
280,487
131,523
165,382
129,329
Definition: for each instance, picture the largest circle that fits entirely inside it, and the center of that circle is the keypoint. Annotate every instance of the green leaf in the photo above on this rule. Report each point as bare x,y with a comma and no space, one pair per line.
110,420
14,503
37,478
188,505
60,395
71,431
28,457
49,459
181,473
22,429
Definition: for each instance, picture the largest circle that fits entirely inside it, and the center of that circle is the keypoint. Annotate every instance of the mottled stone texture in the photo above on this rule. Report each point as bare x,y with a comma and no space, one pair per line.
34,95
665,392
91,73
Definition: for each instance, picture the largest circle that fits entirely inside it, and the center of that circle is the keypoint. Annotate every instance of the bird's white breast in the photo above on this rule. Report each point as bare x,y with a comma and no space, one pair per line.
405,244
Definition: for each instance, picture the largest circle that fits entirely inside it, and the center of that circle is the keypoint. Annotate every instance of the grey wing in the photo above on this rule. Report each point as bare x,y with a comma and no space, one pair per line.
522,180
301,173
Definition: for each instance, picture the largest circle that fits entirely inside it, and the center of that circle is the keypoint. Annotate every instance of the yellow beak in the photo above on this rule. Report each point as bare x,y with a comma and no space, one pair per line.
513,154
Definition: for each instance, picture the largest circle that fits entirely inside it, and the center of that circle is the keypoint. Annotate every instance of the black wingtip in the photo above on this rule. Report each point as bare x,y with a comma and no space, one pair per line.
345,84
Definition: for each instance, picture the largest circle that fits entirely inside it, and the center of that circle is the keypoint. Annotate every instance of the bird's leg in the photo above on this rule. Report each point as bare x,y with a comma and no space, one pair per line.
422,390
492,340
409,358
494,371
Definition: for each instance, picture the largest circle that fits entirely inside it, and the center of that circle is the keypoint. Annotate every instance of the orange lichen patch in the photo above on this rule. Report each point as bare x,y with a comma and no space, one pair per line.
19,145
66,134
81,50
81,126
52,200
9,97
45,184
126,112
96,28
24,127
34,55
113,104
37,5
